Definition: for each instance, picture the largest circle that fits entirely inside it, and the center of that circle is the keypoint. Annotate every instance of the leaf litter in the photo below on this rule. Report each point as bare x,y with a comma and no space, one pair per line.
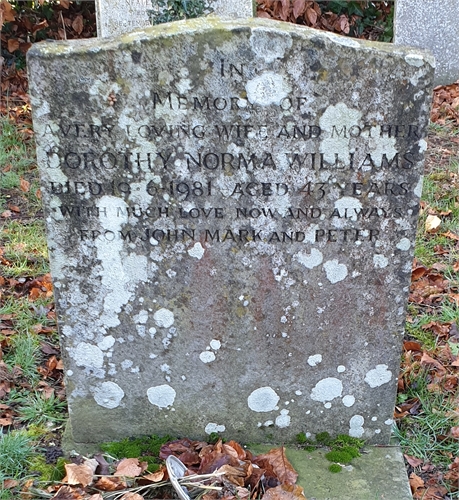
212,472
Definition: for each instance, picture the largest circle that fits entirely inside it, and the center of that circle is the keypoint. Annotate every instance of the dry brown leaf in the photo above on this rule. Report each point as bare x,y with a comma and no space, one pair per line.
299,7
6,12
9,483
78,474
13,44
415,482
451,235
110,483
97,496
65,3
455,432
129,467
413,461
285,492
68,493
311,14
157,476
24,185
432,223
427,360
78,24
132,496
280,464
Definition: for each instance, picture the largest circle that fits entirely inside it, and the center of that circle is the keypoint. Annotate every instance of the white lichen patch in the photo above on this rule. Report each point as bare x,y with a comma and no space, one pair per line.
196,251
88,355
164,318
269,45
356,426
341,369
106,343
415,60
348,400
327,389
212,427
215,344
108,395
161,396
380,261
336,122
141,318
207,356
263,400
311,260
315,359
119,273
348,207
404,244
378,376
283,420
267,89
335,271
418,189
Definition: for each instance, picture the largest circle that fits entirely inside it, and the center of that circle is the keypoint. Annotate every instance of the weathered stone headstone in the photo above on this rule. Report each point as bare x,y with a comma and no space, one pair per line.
434,26
231,211
117,17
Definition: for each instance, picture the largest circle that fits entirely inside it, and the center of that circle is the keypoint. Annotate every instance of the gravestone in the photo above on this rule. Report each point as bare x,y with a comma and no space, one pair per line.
231,210
117,17
434,26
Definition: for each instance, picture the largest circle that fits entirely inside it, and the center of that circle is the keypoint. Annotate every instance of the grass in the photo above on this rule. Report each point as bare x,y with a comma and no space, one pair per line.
427,435
24,353
17,163
15,451
37,409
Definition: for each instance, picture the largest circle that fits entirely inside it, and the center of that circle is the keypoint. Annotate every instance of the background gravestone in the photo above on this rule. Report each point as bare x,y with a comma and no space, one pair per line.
117,17
231,211
431,25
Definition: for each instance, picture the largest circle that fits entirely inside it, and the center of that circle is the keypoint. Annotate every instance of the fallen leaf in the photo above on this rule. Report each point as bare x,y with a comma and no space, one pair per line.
77,24
280,464
451,235
13,44
415,482
10,483
413,461
298,8
132,496
24,185
427,360
412,346
97,496
68,493
65,3
110,483
285,492
455,432
432,223
78,474
128,467
157,476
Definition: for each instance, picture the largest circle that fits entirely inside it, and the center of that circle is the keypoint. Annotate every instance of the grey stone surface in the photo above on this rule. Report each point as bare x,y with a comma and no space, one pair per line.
432,25
379,474
117,17
231,211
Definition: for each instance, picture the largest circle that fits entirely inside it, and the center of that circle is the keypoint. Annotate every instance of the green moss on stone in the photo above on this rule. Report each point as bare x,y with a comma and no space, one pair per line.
335,468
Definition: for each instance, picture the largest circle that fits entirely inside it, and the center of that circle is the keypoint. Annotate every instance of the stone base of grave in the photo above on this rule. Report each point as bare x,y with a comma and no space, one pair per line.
378,474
